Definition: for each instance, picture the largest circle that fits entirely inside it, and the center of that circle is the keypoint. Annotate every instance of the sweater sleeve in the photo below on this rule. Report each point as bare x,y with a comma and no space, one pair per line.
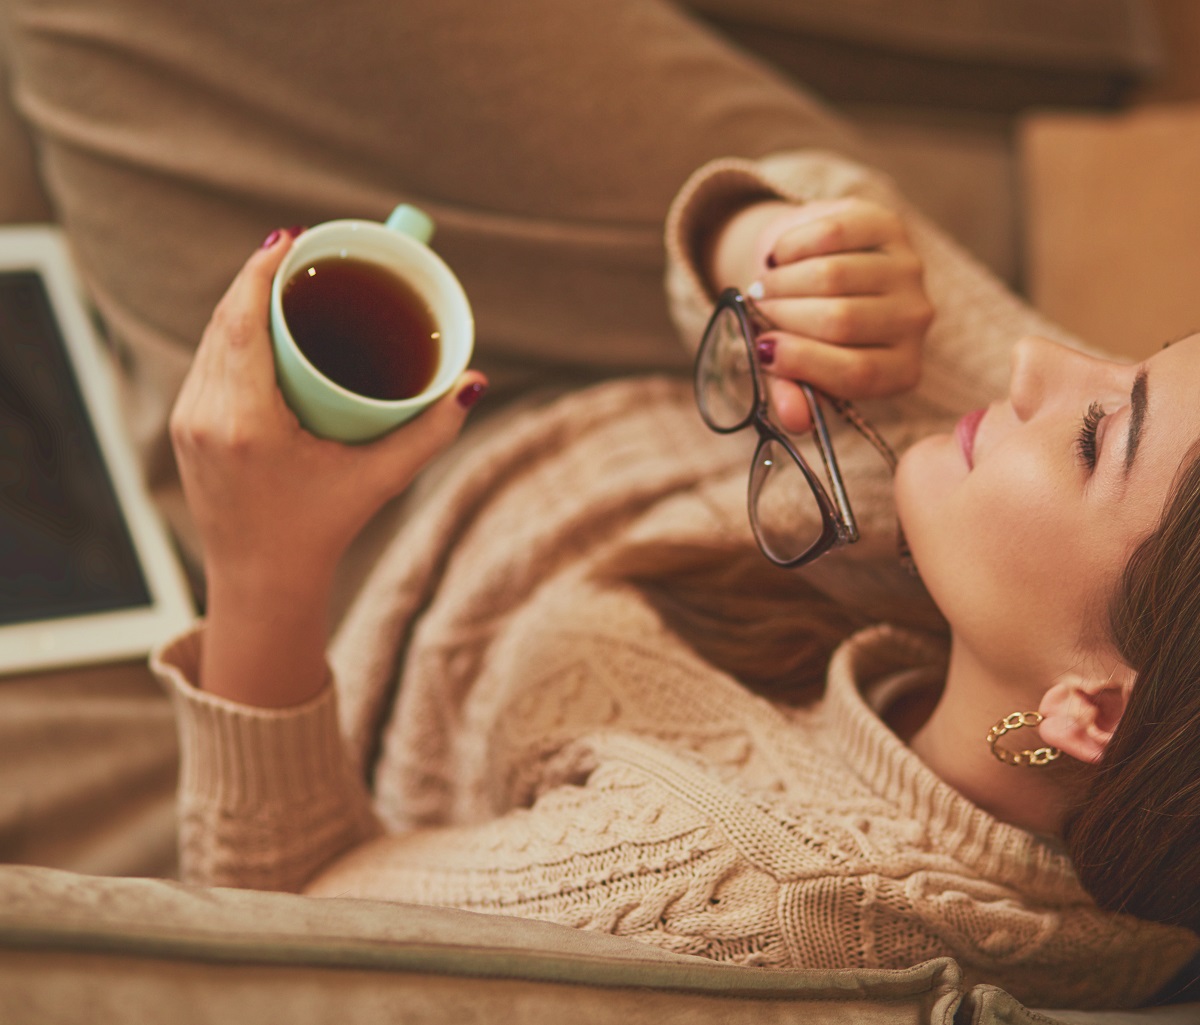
266,797
722,187
968,348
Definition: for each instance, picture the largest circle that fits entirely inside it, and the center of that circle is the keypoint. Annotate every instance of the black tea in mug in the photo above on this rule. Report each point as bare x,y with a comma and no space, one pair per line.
363,327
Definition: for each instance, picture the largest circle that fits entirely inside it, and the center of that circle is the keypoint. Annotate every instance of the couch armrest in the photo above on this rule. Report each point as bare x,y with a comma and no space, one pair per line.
75,947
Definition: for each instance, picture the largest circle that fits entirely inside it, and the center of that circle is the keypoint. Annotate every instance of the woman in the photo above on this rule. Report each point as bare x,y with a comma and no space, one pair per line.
547,738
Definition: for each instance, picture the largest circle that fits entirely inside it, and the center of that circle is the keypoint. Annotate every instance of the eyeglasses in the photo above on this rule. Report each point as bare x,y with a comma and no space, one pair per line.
731,394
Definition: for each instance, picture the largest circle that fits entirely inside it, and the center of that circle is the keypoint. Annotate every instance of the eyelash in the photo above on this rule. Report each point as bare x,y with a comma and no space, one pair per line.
1085,442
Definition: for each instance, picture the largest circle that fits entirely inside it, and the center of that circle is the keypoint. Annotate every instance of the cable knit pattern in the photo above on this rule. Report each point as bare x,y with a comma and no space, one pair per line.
536,742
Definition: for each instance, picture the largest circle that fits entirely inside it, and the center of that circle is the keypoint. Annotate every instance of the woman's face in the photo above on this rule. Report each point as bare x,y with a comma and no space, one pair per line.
1022,519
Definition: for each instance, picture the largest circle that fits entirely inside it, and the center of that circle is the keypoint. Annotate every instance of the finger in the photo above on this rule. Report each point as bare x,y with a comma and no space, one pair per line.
237,339
858,273
844,226
233,361
851,373
845,320
398,457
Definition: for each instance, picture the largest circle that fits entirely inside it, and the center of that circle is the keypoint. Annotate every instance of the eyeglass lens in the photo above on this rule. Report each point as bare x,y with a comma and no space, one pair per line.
724,376
784,511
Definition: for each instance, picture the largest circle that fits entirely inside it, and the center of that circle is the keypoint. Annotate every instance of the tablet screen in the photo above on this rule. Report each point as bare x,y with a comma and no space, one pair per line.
65,549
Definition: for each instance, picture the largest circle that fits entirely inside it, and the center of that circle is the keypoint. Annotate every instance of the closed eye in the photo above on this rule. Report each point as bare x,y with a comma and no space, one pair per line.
1085,440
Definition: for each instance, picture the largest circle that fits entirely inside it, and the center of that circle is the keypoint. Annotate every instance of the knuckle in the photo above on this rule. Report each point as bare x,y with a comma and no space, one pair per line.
831,236
909,265
220,316
187,434
231,325
239,331
830,278
238,440
893,223
922,316
178,429
840,321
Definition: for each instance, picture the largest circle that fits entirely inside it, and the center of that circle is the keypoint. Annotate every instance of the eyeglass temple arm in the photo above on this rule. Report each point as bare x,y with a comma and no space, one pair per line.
848,526
846,409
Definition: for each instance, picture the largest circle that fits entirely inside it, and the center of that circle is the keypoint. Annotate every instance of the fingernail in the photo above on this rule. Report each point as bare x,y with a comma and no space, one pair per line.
296,230
471,394
271,239
765,347
755,291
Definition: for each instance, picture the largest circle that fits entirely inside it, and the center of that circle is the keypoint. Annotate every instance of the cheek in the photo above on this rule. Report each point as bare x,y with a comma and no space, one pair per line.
1008,515
996,547
926,477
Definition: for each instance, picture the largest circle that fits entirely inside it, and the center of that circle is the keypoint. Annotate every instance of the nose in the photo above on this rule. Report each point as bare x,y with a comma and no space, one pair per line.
1041,370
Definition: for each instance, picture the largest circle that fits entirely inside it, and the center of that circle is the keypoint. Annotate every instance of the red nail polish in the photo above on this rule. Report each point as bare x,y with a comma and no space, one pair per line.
471,394
296,230
271,239
765,347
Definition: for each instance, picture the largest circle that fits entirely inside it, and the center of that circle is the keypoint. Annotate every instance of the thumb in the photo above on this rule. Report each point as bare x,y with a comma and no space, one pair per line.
790,406
399,456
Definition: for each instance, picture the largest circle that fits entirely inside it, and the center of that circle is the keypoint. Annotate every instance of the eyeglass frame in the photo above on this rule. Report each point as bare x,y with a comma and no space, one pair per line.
838,525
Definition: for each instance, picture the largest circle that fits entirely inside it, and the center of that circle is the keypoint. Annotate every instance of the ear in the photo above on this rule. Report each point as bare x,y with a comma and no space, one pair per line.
1080,714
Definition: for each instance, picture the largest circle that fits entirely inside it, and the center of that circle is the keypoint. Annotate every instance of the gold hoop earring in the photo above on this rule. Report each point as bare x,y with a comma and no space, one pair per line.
1035,757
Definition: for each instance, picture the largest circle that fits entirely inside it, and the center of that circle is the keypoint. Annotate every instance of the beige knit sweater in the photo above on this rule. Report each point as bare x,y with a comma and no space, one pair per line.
521,735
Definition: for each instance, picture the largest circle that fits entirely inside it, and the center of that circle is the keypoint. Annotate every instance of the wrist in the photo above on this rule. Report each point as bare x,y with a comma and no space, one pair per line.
265,637
266,578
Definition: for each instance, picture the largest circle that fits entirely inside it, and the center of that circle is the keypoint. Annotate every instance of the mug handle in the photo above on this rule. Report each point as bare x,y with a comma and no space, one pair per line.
411,221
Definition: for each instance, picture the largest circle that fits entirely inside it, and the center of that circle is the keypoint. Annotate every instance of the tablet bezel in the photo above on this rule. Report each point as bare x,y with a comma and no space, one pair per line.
118,634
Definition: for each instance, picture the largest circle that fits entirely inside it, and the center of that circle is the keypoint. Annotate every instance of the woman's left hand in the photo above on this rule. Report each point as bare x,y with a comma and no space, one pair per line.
268,498
275,506
842,285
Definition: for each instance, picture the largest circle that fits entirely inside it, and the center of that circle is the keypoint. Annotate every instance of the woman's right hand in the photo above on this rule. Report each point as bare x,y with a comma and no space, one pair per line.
275,506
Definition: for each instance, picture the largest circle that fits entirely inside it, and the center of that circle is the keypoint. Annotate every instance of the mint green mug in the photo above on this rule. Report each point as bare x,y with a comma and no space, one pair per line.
399,246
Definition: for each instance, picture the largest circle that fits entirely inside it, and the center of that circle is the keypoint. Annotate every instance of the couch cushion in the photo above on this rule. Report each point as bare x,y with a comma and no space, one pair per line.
980,54
22,198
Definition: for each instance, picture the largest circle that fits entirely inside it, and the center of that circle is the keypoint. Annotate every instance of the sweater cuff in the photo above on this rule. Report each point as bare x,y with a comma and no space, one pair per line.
708,198
237,756
722,187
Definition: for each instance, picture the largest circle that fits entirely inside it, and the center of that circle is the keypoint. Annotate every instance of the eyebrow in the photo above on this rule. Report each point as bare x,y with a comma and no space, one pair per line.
1138,401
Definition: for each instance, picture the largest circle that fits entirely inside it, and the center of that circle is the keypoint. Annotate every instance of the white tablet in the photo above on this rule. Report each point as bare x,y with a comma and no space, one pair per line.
87,571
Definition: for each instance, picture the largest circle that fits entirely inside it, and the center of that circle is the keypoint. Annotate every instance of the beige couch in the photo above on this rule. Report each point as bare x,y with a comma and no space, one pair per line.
78,948
937,86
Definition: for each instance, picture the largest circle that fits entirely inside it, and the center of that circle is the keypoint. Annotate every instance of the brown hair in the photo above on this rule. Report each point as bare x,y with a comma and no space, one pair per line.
1135,837
769,629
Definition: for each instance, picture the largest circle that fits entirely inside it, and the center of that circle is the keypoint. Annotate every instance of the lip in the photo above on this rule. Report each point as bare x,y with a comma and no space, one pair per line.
965,431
